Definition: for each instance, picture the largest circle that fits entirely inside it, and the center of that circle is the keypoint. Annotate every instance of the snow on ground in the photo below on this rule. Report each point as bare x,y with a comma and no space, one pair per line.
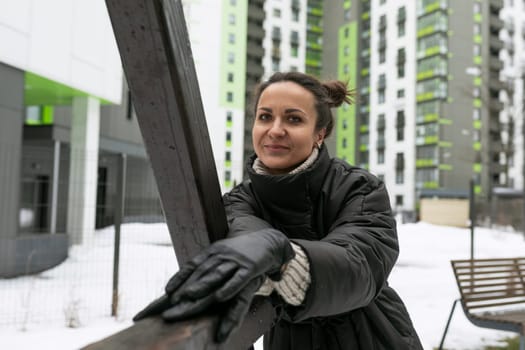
423,277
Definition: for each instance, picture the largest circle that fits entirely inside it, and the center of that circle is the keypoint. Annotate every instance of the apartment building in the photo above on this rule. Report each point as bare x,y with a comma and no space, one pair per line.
427,115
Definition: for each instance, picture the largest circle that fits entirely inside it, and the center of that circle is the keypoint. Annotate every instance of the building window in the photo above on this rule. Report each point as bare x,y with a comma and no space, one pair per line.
231,38
400,93
231,18
277,13
345,124
399,200
401,29
295,15
230,77
233,2
346,51
346,32
227,176
401,58
294,50
293,69
382,56
231,57
275,64
381,95
347,14
400,125
229,117
344,142
228,156
380,156
400,176
229,96
228,138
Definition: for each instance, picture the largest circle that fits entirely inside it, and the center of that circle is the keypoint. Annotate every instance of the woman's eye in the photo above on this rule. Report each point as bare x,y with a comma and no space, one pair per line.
294,119
264,117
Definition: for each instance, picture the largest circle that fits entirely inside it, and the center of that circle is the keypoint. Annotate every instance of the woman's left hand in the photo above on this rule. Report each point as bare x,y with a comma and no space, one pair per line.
226,274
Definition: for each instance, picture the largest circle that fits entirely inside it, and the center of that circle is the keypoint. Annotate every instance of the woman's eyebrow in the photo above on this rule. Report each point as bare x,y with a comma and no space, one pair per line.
265,109
293,110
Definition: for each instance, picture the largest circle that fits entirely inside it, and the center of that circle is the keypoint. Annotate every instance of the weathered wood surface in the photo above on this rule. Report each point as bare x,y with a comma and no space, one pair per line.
195,334
158,64
156,55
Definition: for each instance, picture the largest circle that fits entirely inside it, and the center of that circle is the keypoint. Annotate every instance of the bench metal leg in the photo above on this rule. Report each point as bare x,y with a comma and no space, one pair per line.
448,323
522,342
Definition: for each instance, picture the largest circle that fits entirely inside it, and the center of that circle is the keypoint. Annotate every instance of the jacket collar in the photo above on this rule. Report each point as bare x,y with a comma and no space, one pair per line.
290,190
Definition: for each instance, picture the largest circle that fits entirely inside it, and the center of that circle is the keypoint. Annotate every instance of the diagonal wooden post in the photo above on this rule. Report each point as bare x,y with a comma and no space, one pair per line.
158,64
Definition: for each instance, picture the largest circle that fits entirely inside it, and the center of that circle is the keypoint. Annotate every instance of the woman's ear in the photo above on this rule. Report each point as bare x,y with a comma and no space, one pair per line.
320,137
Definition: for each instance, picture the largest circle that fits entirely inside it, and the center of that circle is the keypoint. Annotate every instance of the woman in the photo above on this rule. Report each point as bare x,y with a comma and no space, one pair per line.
314,233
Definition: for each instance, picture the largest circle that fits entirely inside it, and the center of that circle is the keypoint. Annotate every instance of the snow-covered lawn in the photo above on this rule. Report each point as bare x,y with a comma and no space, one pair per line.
35,310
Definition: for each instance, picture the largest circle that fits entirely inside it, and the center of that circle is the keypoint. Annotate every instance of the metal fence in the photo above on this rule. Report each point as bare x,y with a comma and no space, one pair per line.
79,289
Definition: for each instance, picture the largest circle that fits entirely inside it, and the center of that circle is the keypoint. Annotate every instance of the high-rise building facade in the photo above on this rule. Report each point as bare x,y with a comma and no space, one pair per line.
513,57
219,46
428,111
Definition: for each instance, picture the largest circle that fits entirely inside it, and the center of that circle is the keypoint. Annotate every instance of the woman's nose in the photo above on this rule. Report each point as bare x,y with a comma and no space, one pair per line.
276,129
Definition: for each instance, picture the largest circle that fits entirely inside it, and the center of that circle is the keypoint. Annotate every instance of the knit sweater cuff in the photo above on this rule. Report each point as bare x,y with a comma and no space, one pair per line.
295,279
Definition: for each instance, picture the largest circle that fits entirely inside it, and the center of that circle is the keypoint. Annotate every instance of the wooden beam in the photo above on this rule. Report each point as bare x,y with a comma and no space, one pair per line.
158,64
156,55
194,334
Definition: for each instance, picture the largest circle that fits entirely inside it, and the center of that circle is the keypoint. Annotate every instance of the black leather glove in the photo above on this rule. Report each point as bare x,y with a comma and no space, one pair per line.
227,273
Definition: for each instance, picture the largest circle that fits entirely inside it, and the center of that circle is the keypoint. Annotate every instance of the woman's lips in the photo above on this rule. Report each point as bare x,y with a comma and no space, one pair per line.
276,148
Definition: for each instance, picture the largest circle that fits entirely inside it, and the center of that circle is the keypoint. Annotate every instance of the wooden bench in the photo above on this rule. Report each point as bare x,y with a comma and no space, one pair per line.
492,294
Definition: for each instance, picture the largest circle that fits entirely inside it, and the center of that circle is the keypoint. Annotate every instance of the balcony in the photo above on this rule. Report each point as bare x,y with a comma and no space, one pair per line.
494,125
496,43
496,23
254,69
495,63
254,49
495,105
255,12
255,31
496,5
495,84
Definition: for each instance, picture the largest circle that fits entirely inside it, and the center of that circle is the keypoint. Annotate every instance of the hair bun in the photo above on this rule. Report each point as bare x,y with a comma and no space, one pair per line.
338,93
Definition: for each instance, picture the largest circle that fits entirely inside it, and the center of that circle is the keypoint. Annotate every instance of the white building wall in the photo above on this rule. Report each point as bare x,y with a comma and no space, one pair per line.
287,25
513,14
205,36
392,102
68,41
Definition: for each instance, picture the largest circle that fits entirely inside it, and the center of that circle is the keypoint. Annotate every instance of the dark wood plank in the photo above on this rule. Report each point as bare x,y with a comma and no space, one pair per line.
157,60
155,49
195,334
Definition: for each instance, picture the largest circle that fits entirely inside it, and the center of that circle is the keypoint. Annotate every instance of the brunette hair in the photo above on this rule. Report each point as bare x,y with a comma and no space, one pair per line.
327,94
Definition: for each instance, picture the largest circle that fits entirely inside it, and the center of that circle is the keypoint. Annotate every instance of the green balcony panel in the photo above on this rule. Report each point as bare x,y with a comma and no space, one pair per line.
476,167
430,184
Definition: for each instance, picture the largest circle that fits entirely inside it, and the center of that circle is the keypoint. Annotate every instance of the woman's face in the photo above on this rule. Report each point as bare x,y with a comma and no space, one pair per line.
284,129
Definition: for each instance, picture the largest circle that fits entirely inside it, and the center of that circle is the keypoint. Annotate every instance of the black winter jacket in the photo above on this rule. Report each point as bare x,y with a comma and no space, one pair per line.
340,215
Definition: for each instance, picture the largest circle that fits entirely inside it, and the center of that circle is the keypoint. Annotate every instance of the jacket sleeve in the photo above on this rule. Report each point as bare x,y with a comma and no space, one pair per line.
351,264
